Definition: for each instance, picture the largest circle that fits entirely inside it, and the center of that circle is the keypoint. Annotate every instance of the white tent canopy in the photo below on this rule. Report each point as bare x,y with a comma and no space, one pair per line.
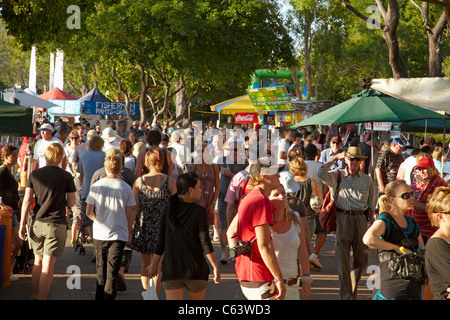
431,93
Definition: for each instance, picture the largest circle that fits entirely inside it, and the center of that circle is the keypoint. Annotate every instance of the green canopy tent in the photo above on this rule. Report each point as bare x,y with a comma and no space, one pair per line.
371,106
15,120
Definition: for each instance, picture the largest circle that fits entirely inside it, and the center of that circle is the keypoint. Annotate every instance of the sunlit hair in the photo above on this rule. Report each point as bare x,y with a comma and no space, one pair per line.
54,154
96,143
437,153
438,201
288,213
114,160
154,158
390,190
298,167
6,152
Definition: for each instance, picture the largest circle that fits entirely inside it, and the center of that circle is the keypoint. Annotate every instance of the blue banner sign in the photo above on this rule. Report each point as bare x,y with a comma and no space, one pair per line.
110,108
69,107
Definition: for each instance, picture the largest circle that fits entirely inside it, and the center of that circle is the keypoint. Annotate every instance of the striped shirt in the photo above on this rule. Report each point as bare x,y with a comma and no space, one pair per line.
355,192
422,191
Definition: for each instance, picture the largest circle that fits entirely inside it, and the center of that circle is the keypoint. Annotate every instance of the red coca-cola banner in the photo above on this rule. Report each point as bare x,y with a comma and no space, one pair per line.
246,118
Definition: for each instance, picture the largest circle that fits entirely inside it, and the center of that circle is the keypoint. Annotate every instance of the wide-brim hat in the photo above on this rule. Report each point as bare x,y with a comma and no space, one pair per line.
288,182
355,152
109,134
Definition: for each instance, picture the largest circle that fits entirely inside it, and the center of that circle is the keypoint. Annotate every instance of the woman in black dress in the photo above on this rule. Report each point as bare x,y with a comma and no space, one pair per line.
395,234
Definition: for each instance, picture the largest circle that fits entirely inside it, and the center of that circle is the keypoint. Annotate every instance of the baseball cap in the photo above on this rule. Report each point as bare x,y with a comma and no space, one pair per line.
46,126
399,142
425,162
336,139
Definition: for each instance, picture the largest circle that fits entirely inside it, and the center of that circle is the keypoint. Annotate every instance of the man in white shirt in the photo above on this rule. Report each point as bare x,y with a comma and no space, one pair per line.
283,146
180,152
39,149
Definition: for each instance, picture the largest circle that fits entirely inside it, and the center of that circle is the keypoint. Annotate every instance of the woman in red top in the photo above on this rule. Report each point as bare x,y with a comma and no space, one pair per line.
258,271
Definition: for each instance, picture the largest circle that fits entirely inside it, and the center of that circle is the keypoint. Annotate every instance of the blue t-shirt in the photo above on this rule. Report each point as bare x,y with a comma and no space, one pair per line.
90,161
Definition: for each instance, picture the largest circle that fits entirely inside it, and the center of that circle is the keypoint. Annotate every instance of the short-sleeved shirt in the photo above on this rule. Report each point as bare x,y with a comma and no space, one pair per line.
110,198
283,146
225,180
39,150
90,161
254,210
327,154
355,192
421,193
389,163
233,188
50,185
8,189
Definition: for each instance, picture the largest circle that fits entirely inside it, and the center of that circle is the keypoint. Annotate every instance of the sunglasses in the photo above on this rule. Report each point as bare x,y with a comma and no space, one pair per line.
405,196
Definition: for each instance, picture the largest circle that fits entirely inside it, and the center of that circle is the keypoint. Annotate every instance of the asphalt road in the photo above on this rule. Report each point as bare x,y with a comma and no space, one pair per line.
325,284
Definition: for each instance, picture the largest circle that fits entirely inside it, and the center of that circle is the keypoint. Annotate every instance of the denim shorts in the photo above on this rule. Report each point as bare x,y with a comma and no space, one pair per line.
48,238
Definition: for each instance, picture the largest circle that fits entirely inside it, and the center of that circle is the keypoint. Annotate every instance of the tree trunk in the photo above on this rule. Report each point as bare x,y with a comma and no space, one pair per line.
180,103
123,92
395,60
391,17
143,96
435,47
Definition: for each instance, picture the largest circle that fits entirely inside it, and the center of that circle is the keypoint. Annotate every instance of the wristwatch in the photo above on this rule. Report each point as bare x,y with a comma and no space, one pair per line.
307,278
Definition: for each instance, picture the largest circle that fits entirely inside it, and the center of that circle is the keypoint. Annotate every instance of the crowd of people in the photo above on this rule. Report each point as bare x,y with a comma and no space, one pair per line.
167,193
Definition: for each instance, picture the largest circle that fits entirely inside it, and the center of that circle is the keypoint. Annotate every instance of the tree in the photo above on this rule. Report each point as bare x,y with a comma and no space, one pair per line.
391,17
434,35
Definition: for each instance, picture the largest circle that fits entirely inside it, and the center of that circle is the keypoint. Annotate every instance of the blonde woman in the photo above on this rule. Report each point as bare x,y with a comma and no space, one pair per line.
437,256
308,190
289,245
393,234
151,191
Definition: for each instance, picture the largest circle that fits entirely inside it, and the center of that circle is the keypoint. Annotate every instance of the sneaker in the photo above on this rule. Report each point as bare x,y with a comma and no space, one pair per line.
314,261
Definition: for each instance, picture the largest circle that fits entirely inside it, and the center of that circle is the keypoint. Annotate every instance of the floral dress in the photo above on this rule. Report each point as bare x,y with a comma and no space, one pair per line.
146,224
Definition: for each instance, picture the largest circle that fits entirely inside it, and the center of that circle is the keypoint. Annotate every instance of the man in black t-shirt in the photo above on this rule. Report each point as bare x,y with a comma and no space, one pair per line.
54,190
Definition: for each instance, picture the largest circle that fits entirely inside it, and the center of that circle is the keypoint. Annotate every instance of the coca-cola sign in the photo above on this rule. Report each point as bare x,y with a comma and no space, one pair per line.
246,118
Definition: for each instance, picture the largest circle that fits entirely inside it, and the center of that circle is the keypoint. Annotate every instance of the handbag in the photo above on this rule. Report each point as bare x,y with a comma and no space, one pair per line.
150,294
327,214
409,266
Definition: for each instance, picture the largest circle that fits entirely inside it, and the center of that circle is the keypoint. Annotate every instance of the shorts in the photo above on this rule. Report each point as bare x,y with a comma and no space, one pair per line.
191,285
48,238
85,221
222,210
258,290
319,228
76,215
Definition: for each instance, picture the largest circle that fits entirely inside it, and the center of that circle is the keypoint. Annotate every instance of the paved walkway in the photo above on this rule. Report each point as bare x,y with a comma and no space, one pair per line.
324,287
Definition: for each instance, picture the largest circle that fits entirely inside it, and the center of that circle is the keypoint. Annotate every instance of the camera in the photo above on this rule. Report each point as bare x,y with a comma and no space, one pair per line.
241,247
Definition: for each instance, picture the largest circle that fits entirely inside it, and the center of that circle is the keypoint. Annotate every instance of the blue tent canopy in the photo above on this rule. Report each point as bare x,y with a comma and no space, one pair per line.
95,95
